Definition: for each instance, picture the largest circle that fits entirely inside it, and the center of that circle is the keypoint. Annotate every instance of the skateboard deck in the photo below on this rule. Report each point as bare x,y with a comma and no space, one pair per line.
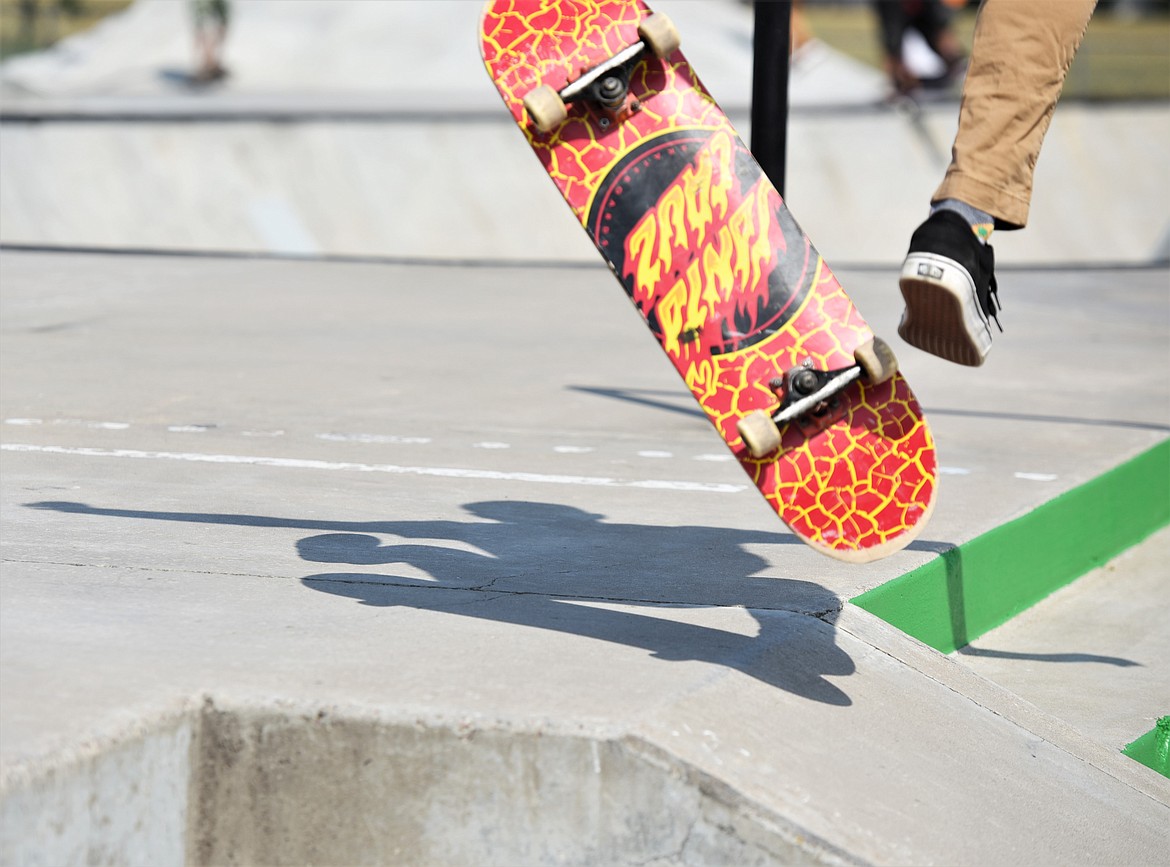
706,249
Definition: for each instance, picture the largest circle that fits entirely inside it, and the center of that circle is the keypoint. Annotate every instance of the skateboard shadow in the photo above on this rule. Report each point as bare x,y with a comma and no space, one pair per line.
559,568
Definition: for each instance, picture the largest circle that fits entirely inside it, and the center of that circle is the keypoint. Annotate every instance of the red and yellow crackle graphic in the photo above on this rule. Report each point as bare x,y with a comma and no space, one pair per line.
710,247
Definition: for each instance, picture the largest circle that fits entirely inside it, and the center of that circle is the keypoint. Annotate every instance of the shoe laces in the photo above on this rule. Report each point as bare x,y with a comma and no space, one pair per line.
992,306
989,300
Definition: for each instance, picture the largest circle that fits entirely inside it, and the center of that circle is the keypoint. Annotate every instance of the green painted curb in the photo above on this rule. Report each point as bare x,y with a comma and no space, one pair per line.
1153,748
980,584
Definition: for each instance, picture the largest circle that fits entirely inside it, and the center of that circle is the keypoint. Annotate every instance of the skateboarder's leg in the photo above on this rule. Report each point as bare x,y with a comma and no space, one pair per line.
1021,55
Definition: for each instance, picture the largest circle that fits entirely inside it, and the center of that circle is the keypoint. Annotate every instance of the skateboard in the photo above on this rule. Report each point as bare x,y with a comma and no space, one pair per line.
808,400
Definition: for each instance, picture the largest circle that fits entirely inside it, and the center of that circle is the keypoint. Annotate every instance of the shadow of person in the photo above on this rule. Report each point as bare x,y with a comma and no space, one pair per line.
555,567
544,563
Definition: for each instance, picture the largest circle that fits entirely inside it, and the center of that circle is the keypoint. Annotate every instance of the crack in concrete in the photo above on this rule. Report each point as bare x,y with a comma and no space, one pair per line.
160,569
825,614
489,587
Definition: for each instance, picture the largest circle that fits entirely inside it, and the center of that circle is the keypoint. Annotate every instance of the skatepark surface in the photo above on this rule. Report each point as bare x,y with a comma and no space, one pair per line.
427,557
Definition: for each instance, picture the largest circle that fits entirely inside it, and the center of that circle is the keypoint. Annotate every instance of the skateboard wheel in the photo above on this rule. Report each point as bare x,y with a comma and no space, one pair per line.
759,433
545,108
876,360
658,33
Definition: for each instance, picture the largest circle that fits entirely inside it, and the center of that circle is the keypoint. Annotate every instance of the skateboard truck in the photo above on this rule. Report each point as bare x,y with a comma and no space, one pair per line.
812,398
607,85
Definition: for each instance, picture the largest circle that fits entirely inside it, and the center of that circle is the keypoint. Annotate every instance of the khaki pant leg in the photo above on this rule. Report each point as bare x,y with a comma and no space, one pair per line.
1021,55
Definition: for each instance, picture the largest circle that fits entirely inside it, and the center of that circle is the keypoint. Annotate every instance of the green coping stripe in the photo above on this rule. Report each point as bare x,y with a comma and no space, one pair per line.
980,584
1153,748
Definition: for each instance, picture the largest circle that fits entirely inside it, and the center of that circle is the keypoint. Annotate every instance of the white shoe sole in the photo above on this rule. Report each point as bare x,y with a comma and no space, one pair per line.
943,316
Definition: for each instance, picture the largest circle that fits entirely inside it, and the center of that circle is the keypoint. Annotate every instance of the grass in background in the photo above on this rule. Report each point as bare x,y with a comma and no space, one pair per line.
1123,56
30,25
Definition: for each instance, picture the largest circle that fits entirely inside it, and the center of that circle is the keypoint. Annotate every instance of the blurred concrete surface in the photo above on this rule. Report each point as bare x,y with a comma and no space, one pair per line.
364,128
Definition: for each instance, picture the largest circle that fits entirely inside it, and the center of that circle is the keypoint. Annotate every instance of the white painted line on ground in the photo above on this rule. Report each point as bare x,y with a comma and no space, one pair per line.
75,422
390,439
444,472
1037,477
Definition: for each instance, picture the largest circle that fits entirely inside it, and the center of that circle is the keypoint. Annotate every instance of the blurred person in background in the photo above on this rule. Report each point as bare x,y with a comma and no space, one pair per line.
211,26
932,20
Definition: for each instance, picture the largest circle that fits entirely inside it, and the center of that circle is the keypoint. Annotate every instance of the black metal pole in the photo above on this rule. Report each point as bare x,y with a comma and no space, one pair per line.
771,45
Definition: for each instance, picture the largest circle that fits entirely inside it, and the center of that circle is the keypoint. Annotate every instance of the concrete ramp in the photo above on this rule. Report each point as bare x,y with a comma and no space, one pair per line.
366,129
290,783
322,785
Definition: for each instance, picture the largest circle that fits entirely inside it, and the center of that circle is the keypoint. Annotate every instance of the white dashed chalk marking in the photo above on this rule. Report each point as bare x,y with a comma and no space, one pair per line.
347,466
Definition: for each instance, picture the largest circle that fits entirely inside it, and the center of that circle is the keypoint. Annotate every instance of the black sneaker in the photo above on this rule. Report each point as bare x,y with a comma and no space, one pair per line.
948,281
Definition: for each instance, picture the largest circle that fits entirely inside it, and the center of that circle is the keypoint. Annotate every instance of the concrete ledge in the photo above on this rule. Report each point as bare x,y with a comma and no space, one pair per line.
978,585
107,800
277,783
